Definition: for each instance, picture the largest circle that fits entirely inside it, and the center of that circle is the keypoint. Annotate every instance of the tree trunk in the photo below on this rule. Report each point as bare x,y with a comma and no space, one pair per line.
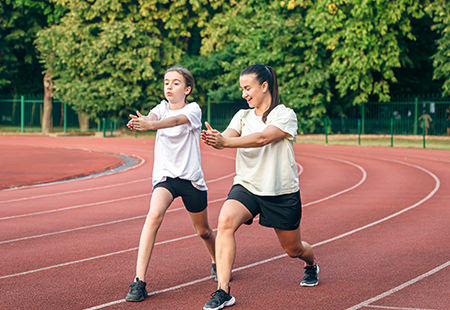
83,119
47,117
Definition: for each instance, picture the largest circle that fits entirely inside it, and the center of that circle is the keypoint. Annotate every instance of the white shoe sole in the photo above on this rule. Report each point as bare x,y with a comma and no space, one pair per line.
225,304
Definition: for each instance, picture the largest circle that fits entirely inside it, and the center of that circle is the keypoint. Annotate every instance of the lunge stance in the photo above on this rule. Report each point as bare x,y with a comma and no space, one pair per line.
266,181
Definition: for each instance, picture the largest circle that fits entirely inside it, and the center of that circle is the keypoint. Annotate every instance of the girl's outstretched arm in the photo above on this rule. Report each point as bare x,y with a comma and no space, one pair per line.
143,123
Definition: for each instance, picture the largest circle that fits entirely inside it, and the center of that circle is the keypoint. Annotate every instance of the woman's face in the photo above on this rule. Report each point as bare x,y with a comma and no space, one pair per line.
175,89
252,91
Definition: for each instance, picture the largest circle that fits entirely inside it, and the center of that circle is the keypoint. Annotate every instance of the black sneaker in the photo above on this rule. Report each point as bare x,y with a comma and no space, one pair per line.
311,276
137,291
220,299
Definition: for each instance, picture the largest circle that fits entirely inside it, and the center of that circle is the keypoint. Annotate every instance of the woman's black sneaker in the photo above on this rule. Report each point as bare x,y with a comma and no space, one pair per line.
137,291
311,277
220,299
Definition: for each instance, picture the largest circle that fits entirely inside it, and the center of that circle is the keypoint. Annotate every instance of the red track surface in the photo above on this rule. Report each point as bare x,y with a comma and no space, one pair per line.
379,220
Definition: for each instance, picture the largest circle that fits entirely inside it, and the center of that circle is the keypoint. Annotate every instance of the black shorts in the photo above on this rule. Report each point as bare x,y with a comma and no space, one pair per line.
194,199
282,211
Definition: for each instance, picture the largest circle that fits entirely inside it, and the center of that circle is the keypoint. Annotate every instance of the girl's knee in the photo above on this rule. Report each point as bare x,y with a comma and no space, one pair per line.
294,252
204,233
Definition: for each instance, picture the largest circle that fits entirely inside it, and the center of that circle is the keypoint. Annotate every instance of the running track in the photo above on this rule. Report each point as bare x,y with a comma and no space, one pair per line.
378,218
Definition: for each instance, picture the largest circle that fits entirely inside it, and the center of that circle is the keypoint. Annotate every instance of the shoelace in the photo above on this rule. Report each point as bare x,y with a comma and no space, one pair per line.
218,294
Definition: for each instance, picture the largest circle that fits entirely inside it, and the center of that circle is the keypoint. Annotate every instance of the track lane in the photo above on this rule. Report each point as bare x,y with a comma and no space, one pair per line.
256,275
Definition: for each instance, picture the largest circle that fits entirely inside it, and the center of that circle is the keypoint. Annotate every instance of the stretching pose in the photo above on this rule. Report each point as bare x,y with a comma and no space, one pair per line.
266,181
176,169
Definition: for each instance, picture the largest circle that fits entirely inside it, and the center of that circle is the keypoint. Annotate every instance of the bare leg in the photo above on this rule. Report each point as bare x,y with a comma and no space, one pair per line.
232,215
202,228
160,202
291,242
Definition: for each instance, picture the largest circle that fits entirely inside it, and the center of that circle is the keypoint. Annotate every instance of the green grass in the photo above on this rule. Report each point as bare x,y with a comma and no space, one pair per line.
410,141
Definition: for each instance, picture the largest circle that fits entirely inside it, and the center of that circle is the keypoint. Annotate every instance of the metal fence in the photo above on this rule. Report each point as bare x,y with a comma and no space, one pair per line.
399,118
403,118
25,114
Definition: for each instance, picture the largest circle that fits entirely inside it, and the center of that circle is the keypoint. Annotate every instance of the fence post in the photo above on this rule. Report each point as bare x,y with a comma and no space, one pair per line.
208,111
65,117
416,114
359,132
423,133
363,118
104,127
326,131
22,114
392,132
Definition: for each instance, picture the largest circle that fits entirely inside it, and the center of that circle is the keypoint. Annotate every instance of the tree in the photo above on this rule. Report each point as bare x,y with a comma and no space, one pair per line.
107,58
439,10
20,20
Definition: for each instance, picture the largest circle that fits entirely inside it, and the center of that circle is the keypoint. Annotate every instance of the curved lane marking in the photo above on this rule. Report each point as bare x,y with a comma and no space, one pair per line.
104,255
431,194
400,287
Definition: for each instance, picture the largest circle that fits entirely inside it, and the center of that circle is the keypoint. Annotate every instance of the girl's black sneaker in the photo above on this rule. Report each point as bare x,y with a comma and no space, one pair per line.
137,291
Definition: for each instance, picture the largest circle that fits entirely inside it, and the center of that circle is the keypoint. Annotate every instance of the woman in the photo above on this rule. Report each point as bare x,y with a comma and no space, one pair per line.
266,181
176,169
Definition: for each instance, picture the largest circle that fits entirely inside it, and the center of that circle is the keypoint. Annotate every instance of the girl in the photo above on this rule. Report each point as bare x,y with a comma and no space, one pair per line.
176,169
266,181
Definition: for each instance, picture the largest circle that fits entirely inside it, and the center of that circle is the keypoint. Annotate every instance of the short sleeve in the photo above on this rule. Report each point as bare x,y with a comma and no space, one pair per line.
236,123
158,110
284,118
194,115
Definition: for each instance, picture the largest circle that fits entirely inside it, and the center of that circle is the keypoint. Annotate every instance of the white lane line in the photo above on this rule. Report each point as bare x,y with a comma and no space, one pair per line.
142,161
361,181
96,225
395,308
94,203
400,287
91,258
87,259
75,191
437,185
116,221
93,176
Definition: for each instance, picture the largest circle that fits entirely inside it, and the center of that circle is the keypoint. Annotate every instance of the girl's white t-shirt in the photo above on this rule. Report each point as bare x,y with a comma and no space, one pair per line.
177,149
269,170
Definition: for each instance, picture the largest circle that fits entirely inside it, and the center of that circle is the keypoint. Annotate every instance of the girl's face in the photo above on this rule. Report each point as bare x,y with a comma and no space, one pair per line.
175,89
252,91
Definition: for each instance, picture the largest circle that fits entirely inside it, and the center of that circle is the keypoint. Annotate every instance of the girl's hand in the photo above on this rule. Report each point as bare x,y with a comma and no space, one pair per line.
130,123
212,137
139,122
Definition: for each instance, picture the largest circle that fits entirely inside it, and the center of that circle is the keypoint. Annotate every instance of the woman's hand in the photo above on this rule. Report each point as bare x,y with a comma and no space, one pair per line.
212,137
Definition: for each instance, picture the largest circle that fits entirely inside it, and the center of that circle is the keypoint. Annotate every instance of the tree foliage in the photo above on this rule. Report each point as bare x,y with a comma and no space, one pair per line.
107,57
20,20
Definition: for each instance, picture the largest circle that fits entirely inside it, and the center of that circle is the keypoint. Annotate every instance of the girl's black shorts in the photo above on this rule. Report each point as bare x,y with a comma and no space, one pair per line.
194,199
282,211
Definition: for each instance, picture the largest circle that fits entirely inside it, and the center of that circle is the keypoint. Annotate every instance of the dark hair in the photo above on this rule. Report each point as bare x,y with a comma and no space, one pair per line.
265,74
188,77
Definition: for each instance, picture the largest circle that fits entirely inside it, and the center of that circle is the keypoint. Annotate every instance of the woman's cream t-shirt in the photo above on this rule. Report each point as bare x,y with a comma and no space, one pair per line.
269,170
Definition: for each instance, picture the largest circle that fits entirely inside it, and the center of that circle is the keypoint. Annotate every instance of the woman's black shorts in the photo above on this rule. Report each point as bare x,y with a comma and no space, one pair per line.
282,211
194,199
